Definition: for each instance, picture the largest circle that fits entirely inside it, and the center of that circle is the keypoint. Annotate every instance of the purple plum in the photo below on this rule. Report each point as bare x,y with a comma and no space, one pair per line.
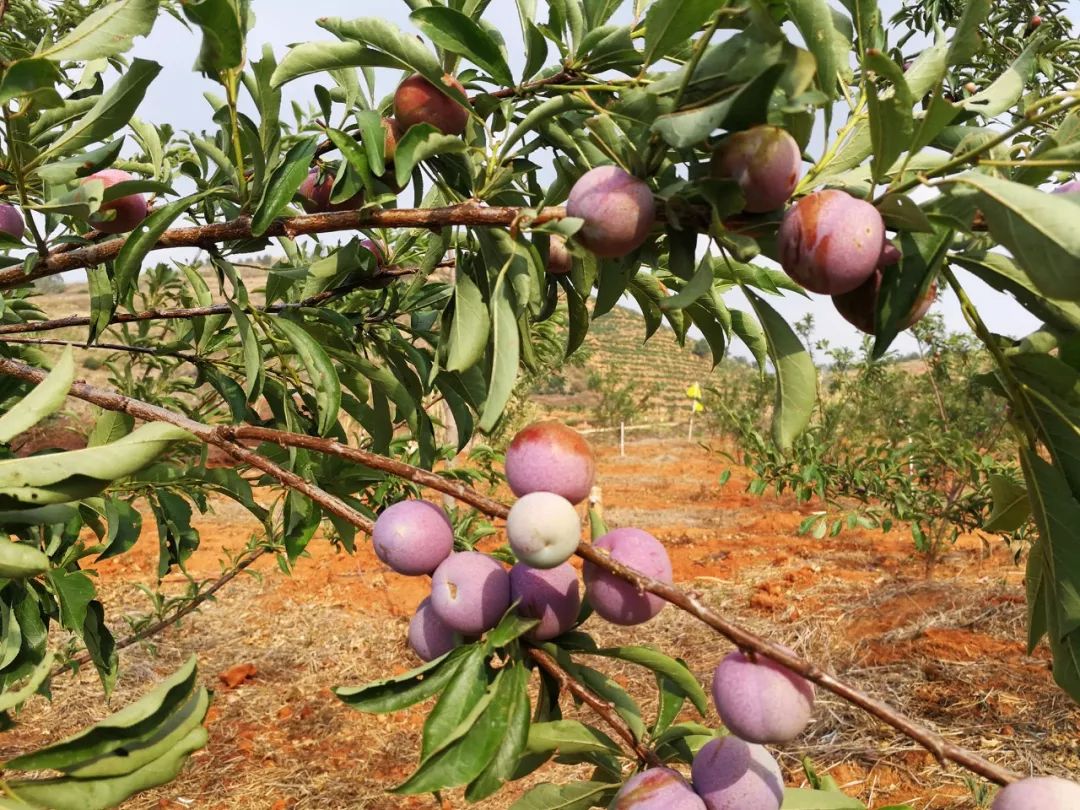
764,161
657,789
618,210
615,599
553,596
470,592
11,221
127,212
761,701
429,636
413,537
418,101
730,774
1039,793
550,457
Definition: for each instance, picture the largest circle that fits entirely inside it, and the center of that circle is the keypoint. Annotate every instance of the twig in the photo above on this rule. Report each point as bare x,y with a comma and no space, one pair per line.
384,277
601,707
469,214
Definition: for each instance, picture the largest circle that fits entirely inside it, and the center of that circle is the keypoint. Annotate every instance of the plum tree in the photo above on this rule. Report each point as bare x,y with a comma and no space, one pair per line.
764,161
551,595
859,306
429,636
548,456
418,101
413,537
617,208
760,701
316,190
11,221
615,599
657,789
470,591
560,261
1042,792
830,242
543,529
731,774
122,214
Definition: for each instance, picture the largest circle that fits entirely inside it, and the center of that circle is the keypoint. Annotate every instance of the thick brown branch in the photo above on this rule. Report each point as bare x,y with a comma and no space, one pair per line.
384,277
601,707
469,214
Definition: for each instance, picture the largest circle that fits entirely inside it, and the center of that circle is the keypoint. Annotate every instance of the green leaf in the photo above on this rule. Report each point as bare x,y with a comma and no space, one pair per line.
698,285
100,794
13,698
422,141
569,737
1011,506
669,24
455,33
136,247
891,122
505,349
472,744
662,664
752,335
373,140
966,40
574,796
110,426
1001,273
112,111
1007,89
903,284
107,32
402,691
249,345
77,474
222,31
120,728
31,78
455,703
1038,228
80,202
102,300
356,156
510,628
470,326
73,590
796,376
808,799
502,765
46,399
320,57
284,183
320,369
814,20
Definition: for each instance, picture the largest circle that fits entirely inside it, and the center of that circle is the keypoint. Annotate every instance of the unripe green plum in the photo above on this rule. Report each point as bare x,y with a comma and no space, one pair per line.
764,161
316,191
657,789
560,261
123,214
11,221
429,636
761,701
859,306
544,529
553,596
830,242
413,537
1039,793
548,456
470,592
730,774
418,101
618,210
612,597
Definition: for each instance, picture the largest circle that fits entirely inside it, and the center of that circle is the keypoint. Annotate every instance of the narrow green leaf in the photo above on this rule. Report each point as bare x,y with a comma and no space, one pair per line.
320,57
284,183
505,350
107,32
569,737
808,799
320,369
422,141
669,24
44,400
662,664
456,33
456,701
402,691
815,22
223,33
574,796
1011,506
502,765
31,78
470,326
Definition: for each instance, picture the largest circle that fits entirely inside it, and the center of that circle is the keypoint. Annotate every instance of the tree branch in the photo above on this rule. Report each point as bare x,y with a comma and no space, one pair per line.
744,639
384,277
601,707
469,214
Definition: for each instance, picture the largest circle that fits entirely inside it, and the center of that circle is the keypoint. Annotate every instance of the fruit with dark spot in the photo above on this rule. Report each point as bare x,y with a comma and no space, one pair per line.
618,210
730,774
1039,793
11,221
548,456
657,789
761,701
553,596
413,537
316,191
470,592
429,636
612,597
764,161
123,214
830,242
544,529
418,101
560,261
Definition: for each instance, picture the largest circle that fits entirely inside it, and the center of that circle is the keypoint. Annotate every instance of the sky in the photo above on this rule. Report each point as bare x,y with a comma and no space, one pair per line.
176,97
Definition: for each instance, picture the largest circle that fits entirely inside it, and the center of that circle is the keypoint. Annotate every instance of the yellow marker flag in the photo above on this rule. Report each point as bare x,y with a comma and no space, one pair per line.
694,391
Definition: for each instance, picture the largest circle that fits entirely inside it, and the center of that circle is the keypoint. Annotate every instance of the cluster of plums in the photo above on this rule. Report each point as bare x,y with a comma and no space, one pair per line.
829,242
